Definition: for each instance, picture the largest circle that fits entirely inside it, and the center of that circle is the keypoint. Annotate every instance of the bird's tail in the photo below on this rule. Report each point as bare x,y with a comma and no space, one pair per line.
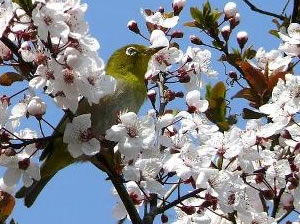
31,193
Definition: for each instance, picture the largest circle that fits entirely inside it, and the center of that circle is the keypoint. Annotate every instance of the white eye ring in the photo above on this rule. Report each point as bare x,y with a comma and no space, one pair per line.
131,51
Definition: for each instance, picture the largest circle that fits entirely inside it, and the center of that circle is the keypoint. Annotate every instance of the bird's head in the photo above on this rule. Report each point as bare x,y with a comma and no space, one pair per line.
130,63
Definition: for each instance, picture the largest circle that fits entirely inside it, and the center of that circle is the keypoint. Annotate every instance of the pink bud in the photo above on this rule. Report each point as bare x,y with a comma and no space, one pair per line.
36,107
230,10
234,21
133,26
24,164
195,40
177,34
225,31
152,95
178,5
242,38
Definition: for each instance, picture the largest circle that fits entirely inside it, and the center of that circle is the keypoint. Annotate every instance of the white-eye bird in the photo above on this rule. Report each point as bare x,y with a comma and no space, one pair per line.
128,66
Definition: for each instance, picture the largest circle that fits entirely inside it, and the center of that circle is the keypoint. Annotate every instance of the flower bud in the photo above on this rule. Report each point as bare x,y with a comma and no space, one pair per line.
24,164
170,95
161,9
196,40
164,218
234,21
268,194
225,31
5,100
179,94
8,152
185,78
242,38
133,26
36,107
152,95
189,210
285,134
177,34
178,6
232,75
230,10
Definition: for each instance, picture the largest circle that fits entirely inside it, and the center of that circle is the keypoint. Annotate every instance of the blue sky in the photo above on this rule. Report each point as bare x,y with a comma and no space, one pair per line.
79,194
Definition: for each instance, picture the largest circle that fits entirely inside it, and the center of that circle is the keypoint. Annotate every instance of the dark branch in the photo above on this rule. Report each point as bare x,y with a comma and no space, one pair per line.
28,67
116,180
254,8
295,11
178,201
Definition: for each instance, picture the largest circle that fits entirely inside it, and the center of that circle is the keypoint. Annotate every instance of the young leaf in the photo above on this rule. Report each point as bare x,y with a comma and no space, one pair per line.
8,78
7,204
250,114
217,105
254,77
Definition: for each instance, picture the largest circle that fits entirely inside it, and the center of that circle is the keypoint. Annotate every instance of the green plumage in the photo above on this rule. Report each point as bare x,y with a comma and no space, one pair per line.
128,66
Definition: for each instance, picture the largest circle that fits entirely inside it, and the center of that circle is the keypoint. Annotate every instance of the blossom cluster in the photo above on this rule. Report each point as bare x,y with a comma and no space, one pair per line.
196,160
49,45
240,175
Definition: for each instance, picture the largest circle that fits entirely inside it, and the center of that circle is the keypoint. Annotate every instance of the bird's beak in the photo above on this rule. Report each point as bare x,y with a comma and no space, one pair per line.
152,51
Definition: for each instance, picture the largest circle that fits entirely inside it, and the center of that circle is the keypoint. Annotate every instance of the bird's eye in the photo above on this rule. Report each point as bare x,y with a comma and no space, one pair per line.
131,51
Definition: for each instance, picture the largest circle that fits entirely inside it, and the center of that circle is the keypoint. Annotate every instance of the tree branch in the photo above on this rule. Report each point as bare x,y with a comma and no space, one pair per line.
176,202
255,9
28,67
116,180
295,11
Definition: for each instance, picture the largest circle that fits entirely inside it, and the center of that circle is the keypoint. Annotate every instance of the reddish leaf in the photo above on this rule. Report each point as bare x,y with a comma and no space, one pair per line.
7,204
250,114
273,79
8,78
248,94
254,77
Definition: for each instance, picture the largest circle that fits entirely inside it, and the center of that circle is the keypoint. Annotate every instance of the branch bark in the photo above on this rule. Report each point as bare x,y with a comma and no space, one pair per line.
295,11
255,9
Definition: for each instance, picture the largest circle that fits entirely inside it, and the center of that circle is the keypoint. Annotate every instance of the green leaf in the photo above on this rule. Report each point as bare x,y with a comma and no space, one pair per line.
206,9
217,105
249,53
274,33
196,15
25,4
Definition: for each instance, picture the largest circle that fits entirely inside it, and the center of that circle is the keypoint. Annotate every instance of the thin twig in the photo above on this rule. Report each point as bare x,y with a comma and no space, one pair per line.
254,8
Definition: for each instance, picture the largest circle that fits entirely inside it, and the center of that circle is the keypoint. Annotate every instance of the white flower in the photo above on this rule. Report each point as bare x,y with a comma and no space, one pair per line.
94,83
159,20
200,63
119,210
274,59
163,60
132,134
6,14
230,10
79,138
285,101
50,20
21,165
36,107
193,101
291,40
4,113
158,39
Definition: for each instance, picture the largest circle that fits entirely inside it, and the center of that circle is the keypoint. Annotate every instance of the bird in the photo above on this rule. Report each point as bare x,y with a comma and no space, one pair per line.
128,66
